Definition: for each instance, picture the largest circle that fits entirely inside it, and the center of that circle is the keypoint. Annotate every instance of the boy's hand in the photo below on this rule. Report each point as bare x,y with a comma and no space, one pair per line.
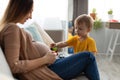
53,47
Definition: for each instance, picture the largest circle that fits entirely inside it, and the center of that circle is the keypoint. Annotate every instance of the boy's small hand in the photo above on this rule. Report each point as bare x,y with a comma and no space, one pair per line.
54,49
52,45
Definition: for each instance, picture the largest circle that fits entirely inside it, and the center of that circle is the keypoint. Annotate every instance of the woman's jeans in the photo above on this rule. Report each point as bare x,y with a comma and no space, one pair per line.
72,66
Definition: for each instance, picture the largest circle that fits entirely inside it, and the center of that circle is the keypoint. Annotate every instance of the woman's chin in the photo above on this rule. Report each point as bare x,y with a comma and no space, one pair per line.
21,22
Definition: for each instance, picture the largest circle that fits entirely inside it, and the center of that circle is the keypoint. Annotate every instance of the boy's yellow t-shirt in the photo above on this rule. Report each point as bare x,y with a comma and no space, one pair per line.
88,44
69,35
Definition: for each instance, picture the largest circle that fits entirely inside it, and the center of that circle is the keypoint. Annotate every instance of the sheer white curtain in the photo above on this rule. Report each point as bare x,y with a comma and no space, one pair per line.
58,8
44,8
102,6
51,8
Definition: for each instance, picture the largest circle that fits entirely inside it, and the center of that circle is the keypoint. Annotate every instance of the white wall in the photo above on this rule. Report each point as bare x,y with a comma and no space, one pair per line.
102,37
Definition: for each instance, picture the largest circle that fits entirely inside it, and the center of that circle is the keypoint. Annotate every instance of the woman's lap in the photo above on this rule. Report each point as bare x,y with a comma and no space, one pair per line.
72,66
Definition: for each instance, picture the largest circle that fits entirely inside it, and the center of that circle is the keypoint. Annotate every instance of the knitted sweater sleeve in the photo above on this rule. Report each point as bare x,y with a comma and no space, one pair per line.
12,49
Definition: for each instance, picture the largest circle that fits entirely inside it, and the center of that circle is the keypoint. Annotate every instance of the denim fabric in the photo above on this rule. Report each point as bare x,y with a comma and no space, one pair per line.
70,50
72,66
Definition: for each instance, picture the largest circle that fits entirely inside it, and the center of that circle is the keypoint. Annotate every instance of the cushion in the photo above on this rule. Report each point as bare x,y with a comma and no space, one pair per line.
34,32
44,35
4,67
6,77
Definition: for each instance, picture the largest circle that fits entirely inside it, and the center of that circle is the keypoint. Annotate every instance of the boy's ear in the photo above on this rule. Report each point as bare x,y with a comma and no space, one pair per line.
89,29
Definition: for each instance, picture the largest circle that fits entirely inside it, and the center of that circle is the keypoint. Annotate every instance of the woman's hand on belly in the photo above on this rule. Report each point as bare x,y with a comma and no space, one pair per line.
50,57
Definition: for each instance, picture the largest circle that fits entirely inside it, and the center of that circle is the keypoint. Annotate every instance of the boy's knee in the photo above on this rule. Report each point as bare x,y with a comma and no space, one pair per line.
90,55
87,55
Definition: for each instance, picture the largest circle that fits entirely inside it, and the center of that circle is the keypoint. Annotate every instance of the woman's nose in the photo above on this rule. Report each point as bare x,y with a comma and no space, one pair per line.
30,16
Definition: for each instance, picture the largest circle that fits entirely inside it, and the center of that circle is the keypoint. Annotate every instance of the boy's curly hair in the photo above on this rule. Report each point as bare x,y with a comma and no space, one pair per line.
84,18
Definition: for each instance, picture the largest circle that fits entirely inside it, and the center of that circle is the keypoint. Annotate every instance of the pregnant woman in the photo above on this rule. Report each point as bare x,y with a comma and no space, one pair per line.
30,60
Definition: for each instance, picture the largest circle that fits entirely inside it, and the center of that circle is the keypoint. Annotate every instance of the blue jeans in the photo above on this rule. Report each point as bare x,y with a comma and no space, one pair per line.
72,66
70,50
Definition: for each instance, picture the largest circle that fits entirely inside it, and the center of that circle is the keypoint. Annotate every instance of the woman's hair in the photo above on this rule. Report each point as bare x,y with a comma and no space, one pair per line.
16,10
84,18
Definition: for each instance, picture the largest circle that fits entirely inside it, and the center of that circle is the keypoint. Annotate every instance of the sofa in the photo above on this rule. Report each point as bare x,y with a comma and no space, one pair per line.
38,34
5,72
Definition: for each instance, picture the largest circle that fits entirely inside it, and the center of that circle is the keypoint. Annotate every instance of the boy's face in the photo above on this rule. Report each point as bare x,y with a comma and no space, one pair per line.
82,30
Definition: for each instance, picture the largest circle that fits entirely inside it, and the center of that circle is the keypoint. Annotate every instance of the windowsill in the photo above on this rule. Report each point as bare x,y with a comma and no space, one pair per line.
113,25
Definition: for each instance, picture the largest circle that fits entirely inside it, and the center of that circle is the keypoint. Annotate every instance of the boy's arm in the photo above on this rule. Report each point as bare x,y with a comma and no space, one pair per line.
61,44
92,46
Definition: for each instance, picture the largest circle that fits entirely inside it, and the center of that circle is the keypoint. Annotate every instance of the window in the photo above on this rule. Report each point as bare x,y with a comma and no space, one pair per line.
44,8
50,8
102,6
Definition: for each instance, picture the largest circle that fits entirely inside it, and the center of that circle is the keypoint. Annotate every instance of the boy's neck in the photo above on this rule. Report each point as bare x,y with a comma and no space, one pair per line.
83,37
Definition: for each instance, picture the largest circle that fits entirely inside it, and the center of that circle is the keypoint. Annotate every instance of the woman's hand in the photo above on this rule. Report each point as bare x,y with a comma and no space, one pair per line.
50,57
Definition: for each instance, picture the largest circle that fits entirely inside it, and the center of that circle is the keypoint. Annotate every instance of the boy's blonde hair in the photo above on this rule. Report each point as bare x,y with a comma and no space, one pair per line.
84,18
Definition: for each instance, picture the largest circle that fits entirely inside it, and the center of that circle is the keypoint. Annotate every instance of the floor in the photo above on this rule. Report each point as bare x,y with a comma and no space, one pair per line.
109,70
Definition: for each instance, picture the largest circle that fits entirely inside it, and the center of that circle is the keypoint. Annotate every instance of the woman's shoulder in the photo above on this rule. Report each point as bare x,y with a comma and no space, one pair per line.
10,26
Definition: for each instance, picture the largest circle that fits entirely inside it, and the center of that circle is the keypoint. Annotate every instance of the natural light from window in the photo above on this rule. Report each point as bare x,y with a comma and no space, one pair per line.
51,8
59,8
44,8
102,7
